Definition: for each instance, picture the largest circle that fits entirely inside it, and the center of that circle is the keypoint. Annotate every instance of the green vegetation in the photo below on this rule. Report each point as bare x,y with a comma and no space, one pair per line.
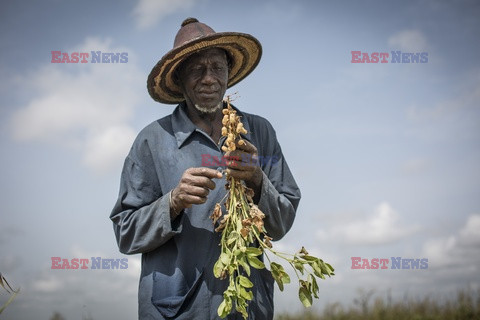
466,305
13,293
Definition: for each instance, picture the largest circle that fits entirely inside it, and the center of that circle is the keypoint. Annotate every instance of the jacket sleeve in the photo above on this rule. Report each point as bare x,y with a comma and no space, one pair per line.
280,195
141,215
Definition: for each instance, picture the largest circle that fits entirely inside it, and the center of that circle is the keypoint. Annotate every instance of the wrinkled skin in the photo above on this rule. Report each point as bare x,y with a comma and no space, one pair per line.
203,78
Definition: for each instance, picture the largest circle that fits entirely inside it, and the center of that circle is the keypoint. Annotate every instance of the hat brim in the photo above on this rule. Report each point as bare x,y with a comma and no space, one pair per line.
244,49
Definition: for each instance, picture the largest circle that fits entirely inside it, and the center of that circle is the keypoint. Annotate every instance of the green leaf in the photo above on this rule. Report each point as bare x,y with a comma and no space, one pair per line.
278,280
253,252
330,267
325,268
239,225
310,258
255,262
245,282
232,237
224,308
274,267
316,270
277,267
241,307
314,286
245,265
218,268
305,297
298,265
225,258
285,277
277,277
279,272
247,295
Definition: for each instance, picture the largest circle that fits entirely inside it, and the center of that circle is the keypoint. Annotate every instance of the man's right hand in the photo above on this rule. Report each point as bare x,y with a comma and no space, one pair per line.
193,188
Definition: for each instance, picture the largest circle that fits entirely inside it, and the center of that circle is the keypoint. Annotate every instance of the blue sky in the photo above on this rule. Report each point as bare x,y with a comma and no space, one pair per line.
386,155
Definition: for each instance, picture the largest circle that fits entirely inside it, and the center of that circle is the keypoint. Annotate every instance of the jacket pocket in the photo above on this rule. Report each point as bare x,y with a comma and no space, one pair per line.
171,292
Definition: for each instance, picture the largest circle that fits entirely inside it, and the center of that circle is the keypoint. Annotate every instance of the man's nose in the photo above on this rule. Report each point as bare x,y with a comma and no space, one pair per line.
208,76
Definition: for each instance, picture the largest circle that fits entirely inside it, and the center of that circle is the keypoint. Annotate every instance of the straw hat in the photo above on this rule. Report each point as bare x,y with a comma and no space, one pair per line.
243,49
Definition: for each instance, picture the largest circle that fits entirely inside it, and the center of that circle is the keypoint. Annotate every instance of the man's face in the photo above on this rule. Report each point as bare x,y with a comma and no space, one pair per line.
203,78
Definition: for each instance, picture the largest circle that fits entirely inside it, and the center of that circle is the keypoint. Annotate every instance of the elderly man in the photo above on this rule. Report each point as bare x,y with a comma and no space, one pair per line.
167,190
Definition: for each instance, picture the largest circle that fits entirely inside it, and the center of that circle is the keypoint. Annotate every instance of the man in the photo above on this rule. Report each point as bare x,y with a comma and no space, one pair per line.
168,191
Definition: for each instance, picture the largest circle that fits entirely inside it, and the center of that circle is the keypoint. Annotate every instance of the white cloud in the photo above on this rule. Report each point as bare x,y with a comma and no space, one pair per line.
47,284
9,262
108,146
381,227
409,41
452,117
104,293
85,106
453,260
456,251
467,100
148,12
453,264
470,233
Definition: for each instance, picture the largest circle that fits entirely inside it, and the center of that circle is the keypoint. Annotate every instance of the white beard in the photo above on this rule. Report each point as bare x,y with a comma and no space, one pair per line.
203,109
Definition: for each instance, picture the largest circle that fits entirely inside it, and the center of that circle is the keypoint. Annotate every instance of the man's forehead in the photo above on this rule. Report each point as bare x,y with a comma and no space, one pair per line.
207,54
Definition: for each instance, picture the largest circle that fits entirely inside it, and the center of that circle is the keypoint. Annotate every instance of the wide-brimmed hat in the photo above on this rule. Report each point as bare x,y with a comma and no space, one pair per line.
244,52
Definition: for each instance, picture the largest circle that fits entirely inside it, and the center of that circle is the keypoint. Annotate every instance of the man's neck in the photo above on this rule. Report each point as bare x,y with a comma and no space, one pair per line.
210,123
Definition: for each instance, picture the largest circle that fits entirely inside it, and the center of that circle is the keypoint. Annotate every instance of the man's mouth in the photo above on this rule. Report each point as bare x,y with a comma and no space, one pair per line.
207,93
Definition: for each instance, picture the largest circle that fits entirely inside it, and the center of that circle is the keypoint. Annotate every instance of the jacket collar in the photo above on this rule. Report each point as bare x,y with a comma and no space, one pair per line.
183,127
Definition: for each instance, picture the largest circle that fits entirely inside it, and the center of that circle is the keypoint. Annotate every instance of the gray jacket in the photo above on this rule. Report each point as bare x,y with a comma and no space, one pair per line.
177,280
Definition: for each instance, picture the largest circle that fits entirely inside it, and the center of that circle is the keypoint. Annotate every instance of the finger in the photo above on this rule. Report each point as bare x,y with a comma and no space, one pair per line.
241,159
205,172
188,200
198,181
240,174
247,146
233,161
195,191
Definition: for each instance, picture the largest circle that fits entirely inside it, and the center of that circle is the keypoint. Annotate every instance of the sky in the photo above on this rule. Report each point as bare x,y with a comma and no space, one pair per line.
386,154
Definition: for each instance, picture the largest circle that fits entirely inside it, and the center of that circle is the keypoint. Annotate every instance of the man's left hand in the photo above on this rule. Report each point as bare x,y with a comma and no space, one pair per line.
242,164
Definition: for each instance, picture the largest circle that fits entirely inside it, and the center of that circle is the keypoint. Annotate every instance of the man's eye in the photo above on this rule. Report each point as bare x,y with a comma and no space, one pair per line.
220,68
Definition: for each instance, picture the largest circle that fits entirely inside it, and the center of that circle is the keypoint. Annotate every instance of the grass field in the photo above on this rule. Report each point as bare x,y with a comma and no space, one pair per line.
466,305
